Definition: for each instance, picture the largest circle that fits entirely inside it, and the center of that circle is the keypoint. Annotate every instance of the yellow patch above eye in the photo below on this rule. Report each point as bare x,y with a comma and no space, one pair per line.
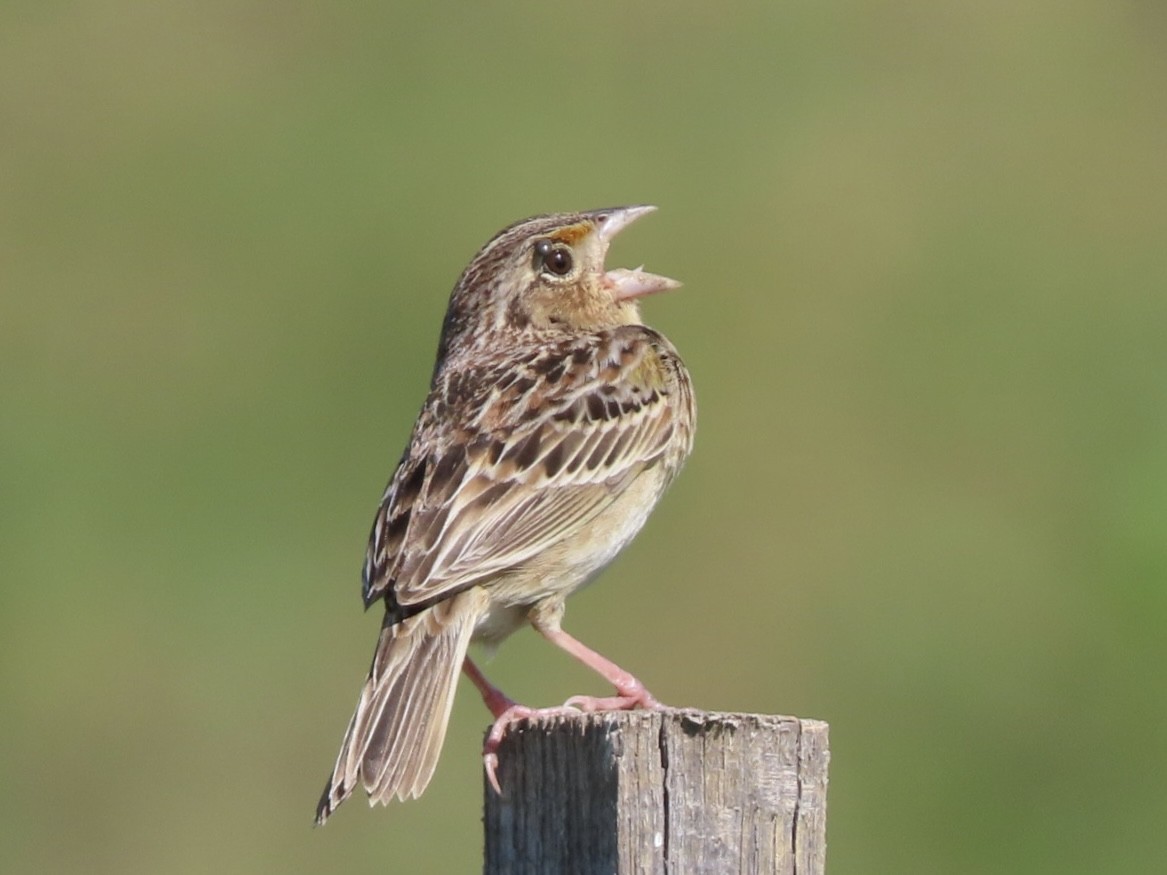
572,234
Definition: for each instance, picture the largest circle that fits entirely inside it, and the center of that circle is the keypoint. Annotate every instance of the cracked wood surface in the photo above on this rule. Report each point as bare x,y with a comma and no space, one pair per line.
661,792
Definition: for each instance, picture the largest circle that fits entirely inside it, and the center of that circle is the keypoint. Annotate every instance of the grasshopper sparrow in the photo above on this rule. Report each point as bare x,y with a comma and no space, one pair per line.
555,419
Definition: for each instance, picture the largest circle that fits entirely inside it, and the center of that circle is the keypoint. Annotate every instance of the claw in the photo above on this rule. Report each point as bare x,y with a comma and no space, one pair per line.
499,728
490,763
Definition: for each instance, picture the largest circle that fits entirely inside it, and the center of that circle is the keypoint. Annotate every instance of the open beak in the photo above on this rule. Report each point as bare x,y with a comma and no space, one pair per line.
627,284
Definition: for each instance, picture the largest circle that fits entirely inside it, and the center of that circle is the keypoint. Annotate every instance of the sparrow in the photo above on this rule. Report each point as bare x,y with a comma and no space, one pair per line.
555,420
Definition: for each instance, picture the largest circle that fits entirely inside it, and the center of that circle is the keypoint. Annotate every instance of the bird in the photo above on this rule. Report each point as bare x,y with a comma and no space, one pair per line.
554,421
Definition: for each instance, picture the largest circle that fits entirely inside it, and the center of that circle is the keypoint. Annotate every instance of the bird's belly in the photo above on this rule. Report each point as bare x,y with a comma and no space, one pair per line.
570,564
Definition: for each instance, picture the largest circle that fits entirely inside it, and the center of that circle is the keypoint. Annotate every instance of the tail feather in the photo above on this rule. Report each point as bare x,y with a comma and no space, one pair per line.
396,733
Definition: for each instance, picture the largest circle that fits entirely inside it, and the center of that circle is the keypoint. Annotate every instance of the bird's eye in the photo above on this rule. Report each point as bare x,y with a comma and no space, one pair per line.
553,259
558,261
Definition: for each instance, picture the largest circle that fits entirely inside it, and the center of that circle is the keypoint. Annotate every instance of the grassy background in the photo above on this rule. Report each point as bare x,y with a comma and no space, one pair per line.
923,249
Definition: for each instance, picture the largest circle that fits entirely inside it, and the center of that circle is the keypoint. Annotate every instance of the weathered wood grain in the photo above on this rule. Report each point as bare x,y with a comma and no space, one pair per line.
660,792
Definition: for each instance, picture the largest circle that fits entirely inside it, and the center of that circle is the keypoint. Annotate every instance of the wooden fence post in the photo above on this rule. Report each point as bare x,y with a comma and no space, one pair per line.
661,792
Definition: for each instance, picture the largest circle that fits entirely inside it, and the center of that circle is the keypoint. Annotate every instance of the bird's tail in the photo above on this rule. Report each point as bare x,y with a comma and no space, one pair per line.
395,735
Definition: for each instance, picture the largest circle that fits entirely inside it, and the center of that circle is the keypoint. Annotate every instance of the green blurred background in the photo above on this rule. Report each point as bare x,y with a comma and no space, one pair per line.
925,307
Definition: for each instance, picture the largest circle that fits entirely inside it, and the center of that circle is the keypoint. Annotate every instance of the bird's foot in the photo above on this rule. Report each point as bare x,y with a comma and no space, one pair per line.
589,704
502,722
631,694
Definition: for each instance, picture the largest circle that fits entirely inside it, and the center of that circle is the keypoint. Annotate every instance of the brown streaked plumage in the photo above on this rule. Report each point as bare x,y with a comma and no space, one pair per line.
555,420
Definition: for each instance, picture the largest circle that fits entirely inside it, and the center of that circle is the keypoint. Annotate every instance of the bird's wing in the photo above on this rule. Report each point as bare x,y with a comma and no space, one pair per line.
549,446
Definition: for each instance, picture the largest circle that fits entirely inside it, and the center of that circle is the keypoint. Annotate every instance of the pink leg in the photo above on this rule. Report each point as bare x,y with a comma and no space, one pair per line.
632,693
494,698
506,711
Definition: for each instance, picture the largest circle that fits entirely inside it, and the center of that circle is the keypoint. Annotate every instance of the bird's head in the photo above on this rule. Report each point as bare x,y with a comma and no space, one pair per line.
547,273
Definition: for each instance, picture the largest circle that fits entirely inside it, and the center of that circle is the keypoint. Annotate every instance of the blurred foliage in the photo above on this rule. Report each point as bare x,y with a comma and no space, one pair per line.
923,248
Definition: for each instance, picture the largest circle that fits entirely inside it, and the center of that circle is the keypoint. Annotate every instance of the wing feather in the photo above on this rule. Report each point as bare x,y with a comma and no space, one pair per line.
552,448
